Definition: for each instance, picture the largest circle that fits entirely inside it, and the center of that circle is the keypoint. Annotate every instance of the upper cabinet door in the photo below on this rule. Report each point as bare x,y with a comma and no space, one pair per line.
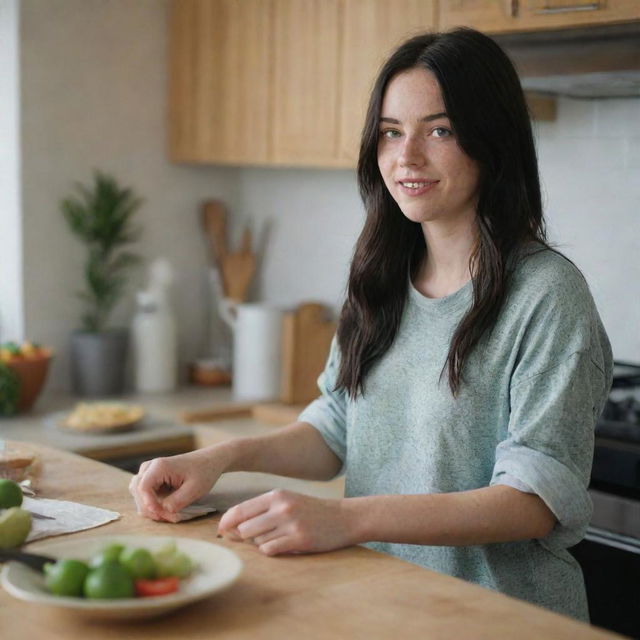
219,93
286,82
371,31
498,16
305,88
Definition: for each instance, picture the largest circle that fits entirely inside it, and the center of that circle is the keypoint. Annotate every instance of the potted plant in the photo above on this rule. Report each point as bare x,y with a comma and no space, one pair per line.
101,216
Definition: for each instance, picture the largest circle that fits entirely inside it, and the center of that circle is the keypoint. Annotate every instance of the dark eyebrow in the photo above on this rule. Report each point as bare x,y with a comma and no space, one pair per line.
433,116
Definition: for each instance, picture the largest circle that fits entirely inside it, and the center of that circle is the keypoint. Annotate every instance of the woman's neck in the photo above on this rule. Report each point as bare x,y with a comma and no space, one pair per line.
445,268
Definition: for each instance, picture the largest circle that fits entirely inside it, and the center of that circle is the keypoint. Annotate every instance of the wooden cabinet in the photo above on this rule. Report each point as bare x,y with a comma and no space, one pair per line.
220,81
306,38
500,16
286,82
278,82
371,29
254,81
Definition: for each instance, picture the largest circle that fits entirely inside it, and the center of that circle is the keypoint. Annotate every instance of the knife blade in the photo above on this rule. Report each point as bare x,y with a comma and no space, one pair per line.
32,560
40,516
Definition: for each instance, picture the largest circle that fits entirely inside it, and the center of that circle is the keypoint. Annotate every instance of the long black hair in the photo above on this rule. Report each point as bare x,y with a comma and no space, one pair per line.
486,106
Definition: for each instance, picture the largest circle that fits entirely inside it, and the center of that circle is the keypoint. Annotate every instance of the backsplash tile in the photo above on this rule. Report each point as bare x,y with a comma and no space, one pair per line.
632,155
618,117
575,118
590,172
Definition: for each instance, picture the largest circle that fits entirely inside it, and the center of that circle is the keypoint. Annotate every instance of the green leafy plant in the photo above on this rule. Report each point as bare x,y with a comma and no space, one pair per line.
101,216
9,391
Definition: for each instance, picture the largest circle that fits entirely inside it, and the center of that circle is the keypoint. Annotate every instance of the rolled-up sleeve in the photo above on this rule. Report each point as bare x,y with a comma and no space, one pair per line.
549,447
328,413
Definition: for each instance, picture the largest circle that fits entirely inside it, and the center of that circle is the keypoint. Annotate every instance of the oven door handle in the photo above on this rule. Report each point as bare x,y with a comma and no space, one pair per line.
615,540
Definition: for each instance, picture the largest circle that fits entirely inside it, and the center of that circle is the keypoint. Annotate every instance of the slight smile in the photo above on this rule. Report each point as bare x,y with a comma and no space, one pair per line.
416,187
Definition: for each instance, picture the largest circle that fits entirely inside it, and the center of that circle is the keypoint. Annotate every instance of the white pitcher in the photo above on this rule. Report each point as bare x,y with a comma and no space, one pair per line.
257,346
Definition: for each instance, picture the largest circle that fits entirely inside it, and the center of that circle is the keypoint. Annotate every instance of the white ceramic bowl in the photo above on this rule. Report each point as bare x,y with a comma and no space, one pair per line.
216,568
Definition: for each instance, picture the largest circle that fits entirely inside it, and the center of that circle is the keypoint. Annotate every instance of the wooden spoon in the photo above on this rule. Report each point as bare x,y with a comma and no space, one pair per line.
215,223
238,268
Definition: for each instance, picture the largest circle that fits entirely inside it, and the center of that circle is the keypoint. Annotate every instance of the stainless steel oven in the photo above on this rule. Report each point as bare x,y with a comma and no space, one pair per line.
610,553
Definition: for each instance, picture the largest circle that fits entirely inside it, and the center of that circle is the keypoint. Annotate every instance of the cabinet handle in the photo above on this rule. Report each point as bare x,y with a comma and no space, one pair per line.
569,8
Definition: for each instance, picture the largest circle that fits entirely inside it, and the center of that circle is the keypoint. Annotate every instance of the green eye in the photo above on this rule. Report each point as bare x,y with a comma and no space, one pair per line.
390,133
441,132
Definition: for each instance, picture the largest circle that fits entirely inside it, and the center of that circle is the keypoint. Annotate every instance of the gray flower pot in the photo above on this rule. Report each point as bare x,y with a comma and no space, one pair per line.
98,362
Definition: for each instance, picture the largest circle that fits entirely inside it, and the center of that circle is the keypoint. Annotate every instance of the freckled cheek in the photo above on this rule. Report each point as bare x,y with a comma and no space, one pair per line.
385,173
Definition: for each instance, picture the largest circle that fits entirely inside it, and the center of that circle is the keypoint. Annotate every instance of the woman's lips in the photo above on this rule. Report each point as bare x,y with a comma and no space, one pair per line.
416,187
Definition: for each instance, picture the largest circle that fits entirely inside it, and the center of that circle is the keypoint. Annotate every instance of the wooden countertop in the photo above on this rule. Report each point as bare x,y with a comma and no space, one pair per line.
351,593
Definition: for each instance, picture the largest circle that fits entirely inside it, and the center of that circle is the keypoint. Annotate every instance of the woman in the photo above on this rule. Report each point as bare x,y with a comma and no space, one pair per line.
470,364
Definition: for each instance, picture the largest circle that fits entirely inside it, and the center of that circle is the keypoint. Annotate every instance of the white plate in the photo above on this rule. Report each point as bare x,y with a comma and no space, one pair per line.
216,568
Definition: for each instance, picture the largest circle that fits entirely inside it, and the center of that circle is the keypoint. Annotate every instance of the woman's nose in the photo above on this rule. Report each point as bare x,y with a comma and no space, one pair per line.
412,153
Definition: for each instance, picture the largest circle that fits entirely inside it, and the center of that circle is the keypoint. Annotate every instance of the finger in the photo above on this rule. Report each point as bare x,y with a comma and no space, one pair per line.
232,535
161,515
149,483
259,525
144,466
141,507
147,505
148,502
279,545
244,511
267,537
180,498
133,485
149,508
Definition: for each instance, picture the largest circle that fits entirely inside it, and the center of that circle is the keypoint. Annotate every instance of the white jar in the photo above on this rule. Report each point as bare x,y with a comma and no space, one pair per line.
154,343
257,359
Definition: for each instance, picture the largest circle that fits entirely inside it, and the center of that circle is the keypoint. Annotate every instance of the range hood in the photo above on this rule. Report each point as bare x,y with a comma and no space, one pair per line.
594,62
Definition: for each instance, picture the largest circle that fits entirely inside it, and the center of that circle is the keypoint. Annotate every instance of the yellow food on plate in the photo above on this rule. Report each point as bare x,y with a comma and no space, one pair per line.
102,416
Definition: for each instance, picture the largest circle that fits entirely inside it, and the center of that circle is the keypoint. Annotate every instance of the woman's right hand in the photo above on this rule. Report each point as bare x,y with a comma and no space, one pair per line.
164,486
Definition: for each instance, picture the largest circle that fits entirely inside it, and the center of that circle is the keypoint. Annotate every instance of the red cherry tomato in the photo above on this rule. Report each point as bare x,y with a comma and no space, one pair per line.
157,587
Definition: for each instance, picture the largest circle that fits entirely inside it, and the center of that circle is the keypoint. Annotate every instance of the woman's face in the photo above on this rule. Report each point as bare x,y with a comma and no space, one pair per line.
423,167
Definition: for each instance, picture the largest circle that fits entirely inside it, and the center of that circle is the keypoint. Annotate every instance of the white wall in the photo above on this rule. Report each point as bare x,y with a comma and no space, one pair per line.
11,294
93,96
312,220
590,165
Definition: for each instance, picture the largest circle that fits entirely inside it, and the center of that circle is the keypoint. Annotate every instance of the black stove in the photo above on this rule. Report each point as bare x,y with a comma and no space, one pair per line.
616,461
620,418
610,553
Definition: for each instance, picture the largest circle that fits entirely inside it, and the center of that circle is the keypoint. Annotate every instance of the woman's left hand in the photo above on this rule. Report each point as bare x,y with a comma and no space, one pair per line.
285,522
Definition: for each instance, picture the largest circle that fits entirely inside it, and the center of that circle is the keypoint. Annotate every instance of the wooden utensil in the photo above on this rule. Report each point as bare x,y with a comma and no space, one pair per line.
306,339
238,268
214,218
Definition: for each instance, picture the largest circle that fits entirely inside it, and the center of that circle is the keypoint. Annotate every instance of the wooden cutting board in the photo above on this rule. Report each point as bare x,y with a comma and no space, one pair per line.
306,339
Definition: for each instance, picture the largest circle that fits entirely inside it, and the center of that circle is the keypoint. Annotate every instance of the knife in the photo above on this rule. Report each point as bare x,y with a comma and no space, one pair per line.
40,516
32,560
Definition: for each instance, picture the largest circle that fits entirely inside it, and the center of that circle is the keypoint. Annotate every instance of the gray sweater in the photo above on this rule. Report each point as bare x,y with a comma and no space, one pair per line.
525,415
